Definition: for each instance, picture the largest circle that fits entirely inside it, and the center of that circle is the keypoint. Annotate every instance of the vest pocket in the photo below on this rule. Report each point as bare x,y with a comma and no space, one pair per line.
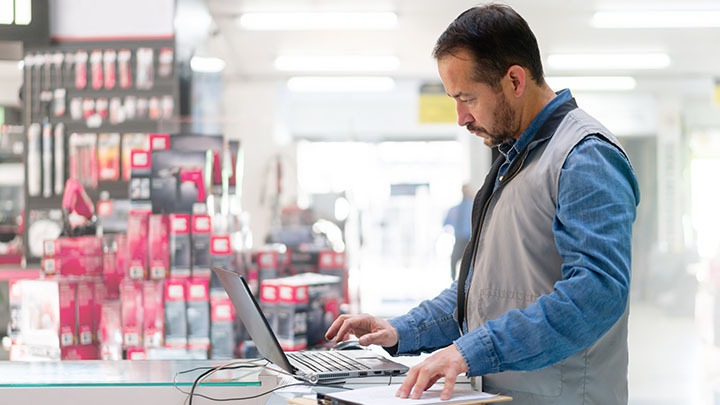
546,381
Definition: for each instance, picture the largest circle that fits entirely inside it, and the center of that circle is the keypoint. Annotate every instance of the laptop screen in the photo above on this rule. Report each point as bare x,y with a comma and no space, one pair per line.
252,318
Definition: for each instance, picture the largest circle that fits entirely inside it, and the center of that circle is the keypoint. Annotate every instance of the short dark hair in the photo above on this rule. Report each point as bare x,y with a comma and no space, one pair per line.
497,37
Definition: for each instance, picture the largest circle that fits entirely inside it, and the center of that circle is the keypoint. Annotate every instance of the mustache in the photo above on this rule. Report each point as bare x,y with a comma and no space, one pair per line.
472,128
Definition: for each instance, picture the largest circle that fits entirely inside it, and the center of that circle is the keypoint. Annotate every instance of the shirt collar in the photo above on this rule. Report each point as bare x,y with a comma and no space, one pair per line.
515,146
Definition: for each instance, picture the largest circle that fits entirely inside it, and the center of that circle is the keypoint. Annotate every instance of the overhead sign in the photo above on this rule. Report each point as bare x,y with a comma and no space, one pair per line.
435,107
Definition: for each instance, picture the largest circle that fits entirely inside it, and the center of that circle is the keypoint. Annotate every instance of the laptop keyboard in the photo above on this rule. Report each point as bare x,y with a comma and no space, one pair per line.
324,361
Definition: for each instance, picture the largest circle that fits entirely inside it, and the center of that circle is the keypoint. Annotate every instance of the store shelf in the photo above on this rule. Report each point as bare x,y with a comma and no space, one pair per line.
18,273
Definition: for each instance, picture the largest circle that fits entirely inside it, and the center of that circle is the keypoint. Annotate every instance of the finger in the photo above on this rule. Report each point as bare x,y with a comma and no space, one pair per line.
426,373
346,327
371,338
332,330
450,377
407,385
432,382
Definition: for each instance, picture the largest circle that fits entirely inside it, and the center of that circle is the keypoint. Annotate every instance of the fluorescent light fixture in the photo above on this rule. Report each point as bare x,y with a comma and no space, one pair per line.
608,61
306,21
656,19
340,84
336,63
592,83
205,64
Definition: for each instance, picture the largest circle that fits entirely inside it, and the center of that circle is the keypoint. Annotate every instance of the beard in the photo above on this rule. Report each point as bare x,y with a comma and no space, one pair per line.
505,124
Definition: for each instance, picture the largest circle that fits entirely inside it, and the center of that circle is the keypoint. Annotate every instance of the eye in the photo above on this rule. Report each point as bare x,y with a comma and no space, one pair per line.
466,100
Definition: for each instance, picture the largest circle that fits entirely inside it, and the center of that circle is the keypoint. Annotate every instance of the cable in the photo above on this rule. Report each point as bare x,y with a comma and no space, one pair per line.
237,365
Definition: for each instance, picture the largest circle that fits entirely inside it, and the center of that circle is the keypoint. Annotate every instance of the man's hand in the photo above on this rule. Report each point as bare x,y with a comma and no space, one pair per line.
368,329
447,363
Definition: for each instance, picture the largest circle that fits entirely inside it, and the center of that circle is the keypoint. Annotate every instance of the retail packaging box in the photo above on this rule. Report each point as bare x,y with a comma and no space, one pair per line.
111,277
159,141
110,331
140,166
222,328
43,313
198,314
101,293
220,256
80,352
73,266
136,354
85,307
159,238
112,215
175,315
306,306
138,244
122,260
335,264
153,313
201,229
269,301
19,352
180,246
268,265
131,297
73,246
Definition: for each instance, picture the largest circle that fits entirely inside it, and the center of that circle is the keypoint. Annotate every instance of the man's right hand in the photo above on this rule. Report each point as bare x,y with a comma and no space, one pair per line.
368,329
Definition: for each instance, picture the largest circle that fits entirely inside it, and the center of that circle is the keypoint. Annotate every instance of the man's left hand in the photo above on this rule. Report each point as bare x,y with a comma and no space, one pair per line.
447,363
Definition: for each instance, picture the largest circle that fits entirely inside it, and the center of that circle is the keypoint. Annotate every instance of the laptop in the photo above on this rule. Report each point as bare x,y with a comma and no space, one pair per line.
311,366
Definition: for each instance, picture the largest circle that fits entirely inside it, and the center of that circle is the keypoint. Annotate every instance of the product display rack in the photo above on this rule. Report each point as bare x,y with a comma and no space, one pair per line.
45,77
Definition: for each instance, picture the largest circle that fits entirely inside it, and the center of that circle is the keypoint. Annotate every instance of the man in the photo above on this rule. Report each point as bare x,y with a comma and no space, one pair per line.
459,218
540,306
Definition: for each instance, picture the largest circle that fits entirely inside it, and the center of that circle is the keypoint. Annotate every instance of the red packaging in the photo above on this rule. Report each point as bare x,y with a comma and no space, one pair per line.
201,228
73,266
121,256
109,68
124,73
100,295
131,297
159,236
96,69
175,315
111,276
138,244
110,332
198,314
154,313
159,141
82,352
180,246
81,58
44,312
85,308
73,246
136,354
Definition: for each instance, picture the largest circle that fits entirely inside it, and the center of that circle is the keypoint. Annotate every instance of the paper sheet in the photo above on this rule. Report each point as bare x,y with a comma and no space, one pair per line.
385,395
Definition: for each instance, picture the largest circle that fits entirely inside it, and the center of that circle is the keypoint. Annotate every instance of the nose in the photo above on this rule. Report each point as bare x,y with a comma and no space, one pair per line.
463,114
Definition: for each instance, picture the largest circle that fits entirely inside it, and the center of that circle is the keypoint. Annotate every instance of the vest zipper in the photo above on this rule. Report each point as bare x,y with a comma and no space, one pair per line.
480,224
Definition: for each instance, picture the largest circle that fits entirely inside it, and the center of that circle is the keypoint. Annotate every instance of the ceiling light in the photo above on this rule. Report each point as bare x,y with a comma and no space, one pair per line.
608,61
595,83
348,63
656,19
205,64
338,84
305,21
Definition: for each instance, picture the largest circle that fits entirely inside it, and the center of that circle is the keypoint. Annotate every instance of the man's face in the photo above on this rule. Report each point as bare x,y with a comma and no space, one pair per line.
484,111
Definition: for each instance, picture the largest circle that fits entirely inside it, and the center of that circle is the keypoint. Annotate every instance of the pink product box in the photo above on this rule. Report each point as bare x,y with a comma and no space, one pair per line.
85,309
198,314
110,331
154,314
180,246
81,352
138,245
73,246
111,276
175,315
44,312
222,331
131,298
73,266
159,238
201,229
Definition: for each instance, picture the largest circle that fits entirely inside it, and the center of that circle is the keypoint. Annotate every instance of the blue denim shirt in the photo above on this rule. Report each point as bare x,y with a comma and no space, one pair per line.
581,308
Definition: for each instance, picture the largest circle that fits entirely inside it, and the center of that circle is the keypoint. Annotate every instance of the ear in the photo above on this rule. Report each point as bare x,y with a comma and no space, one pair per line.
517,76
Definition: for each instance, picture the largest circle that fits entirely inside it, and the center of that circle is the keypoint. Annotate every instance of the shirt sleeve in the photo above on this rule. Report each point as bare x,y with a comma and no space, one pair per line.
597,198
430,325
